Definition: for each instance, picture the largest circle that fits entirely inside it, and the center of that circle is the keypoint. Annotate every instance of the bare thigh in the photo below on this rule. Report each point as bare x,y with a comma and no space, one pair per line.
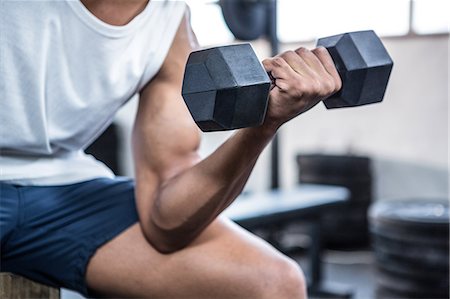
224,262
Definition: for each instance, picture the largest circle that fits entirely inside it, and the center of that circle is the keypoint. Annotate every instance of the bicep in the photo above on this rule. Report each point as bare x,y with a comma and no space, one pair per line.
165,138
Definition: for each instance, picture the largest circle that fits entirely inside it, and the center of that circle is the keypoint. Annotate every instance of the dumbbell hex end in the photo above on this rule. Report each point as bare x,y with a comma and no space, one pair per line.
226,88
364,66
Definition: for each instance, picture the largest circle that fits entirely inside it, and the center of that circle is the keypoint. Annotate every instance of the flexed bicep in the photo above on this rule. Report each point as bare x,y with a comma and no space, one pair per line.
165,138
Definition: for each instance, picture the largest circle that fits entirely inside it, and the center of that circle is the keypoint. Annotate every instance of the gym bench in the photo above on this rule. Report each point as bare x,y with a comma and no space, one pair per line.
17,287
274,209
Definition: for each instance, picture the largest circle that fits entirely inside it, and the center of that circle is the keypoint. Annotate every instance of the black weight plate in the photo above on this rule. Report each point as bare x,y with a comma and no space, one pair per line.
410,256
423,256
339,233
411,221
361,189
424,237
352,210
432,214
351,172
246,19
352,181
339,222
345,239
407,268
411,287
338,176
408,248
346,226
384,293
351,213
334,165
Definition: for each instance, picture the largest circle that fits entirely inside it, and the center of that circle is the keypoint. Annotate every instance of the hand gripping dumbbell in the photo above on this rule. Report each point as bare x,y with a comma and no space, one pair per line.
227,88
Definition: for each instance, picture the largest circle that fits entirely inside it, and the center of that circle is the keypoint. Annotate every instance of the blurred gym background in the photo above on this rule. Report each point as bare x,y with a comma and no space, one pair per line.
393,151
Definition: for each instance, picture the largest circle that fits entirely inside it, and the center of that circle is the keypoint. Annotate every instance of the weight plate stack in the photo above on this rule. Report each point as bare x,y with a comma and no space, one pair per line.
410,239
344,227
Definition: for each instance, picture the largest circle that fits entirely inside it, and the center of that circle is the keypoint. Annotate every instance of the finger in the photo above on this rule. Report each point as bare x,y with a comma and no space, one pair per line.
311,60
277,65
327,61
282,85
296,63
278,68
279,82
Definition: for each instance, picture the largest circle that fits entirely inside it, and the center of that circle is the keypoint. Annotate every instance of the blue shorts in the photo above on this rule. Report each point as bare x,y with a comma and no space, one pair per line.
49,233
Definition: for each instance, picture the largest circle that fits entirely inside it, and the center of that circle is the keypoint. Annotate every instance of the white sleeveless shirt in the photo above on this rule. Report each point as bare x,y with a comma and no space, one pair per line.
63,75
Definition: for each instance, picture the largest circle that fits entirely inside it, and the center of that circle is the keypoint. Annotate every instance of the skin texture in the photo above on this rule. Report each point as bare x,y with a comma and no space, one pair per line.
115,12
182,248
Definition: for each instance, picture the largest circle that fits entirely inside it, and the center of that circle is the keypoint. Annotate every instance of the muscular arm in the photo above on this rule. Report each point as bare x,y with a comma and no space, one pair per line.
177,194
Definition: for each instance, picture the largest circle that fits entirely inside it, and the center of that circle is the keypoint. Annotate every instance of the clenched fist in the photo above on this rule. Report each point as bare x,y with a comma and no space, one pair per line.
301,79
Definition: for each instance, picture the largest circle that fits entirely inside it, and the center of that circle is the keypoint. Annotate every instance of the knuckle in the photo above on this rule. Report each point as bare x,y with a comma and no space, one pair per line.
288,54
326,86
315,87
321,50
278,61
301,50
275,73
267,63
330,86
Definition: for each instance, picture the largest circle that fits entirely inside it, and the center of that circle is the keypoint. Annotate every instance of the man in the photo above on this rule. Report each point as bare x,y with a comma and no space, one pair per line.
67,67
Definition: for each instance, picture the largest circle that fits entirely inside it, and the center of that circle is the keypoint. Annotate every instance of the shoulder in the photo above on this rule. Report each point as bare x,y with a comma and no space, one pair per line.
183,44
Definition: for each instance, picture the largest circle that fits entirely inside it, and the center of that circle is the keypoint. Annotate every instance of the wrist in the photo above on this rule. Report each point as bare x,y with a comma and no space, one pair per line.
265,131
270,126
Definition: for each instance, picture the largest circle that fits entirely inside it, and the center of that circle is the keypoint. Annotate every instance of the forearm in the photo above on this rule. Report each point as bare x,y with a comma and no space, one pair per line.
177,196
189,201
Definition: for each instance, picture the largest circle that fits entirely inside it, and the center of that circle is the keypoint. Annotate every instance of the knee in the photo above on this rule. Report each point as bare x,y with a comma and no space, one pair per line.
284,279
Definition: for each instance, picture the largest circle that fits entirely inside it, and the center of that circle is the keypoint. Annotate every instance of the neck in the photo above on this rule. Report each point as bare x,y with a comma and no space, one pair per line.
115,12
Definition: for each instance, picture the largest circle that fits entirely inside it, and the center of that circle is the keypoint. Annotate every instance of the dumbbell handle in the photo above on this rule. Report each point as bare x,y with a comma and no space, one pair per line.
353,54
272,79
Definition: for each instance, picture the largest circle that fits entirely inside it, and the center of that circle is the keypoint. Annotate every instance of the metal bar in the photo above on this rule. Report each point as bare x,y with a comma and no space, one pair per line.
315,252
274,45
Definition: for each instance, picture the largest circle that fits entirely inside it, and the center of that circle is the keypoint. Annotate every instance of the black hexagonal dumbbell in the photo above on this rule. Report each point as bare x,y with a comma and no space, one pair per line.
364,66
227,88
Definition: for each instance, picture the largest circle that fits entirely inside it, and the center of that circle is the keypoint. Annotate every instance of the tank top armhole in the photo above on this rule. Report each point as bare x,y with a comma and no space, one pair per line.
167,36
